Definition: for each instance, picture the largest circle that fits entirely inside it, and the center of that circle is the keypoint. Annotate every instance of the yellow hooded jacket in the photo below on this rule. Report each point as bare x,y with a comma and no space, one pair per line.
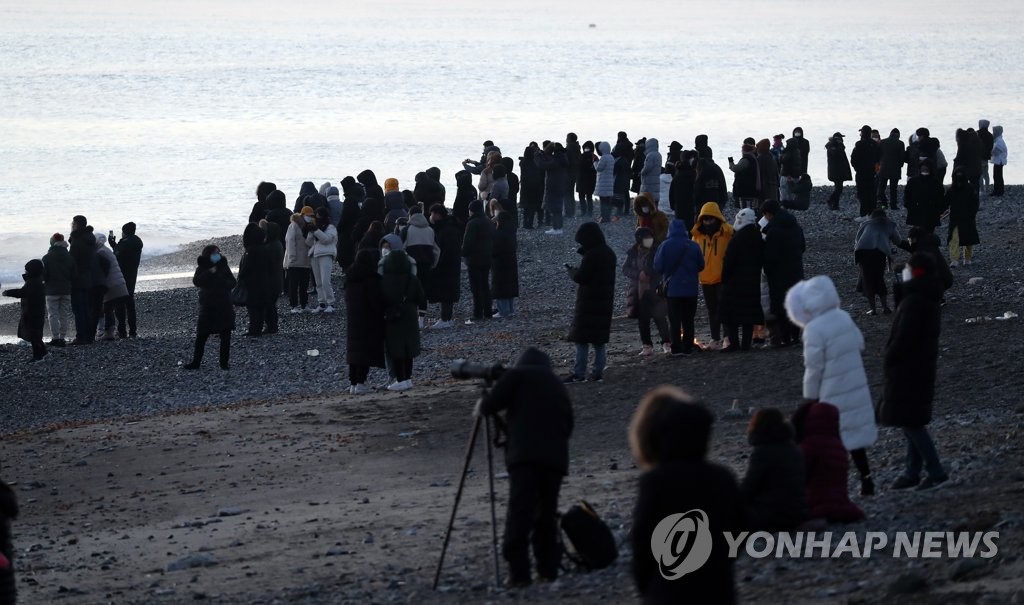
712,246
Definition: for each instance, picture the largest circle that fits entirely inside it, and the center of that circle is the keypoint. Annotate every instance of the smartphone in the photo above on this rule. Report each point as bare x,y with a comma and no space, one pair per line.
730,160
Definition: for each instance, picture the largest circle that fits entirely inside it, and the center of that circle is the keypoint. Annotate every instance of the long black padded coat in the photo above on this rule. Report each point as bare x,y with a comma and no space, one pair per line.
364,312
446,279
505,265
741,277
595,294
216,313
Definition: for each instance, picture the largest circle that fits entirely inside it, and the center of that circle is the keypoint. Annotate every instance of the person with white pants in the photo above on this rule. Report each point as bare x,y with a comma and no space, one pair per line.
322,243
58,274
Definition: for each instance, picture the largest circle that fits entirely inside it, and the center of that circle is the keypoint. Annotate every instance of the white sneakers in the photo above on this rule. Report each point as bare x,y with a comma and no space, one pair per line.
359,389
314,309
646,351
441,324
666,348
329,309
401,385
553,232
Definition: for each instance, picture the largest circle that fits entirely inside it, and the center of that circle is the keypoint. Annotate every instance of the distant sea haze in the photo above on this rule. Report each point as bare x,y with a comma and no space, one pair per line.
169,113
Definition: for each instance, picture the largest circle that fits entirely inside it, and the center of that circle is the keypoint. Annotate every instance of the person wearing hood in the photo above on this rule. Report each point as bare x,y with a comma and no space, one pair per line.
709,184
505,265
322,240
679,261
446,278
873,254
962,201
403,297
595,294
259,209
296,260
805,149
254,272
712,234
58,276
307,189
555,166
700,145
892,152
429,189
128,250
371,240
767,173
838,168
924,197
364,320
531,183
864,159
912,157
833,366
512,202
116,292
278,213
650,174
573,158
87,286
622,172
637,168
465,193
352,194
275,248
825,462
784,247
910,361
680,192
669,437
215,281
648,215
371,211
369,182
478,253
33,307
421,246
773,488
334,205
539,421
604,180
741,281
969,154
790,167
587,182
643,279
987,141
999,155
746,178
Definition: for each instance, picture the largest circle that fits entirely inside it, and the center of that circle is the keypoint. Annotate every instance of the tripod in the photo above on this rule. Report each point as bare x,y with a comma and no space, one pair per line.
481,419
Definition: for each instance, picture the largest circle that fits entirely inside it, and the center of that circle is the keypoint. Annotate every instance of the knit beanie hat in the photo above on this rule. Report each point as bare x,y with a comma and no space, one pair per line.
306,211
56,237
390,185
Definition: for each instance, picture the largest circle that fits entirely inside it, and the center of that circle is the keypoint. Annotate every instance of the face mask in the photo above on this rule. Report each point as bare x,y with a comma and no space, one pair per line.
907,273
308,219
645,210
797,135
384,252
648,242
925,173
215,258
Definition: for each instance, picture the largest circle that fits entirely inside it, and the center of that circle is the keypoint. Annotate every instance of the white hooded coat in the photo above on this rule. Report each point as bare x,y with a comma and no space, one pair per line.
833,367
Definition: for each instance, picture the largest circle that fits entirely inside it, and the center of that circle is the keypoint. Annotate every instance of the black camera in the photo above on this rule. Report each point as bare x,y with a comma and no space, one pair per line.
467,370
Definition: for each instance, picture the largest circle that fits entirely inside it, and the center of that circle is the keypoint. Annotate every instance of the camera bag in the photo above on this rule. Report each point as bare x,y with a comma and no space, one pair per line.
592,542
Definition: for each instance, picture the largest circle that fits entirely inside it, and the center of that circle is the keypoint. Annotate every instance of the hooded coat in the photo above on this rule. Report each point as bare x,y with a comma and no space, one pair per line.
833,367
113,278
464,194
538,413
531,180
478,241
505,263
680,192
128,251
428,190
878,233
255,267
278,213
679,259
648,215
827,464
33,301
604,169
586,183
713,246
924,197
421,244
783,258
446,278
709,185
403,290
296,251
865,156
364,312
353,196
595,294
892,152
962,201
838,164
999,153
741,277
768,169
395,210
216,313
307,189
556,174
987,139
59,270
792,163
83,251
641,260
650,174
370,185
910,357
276,249
773,488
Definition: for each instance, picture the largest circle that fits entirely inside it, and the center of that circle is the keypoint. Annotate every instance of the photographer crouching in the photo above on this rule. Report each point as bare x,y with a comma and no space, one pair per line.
539,421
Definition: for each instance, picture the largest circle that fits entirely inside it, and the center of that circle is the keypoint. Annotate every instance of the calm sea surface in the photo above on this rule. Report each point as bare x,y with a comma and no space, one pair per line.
169,113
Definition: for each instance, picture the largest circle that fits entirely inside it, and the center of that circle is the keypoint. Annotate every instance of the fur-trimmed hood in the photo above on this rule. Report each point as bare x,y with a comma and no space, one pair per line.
810,298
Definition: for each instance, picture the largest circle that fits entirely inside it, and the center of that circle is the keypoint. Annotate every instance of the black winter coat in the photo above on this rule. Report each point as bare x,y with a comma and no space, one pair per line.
373,189
792,162
464,194
275,249
838,163
962,202
622,173
531,181
784,247
538,413
592,315
372,210
505,264
254,272
59,271
307,189
364,313
216,313
866,154
710,185
769,170
446,278
128,251
33,302
741,277
924,197
586,182
773,488
83,250
281,217
911,355
428,191
680,194
892,153
347,225
556,175
478,241
929,243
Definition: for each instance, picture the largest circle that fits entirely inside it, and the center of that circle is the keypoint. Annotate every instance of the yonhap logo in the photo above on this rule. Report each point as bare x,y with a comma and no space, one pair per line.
681,543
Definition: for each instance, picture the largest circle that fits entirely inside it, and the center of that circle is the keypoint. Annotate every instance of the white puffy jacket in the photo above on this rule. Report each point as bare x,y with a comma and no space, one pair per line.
833,367
296,252
323,243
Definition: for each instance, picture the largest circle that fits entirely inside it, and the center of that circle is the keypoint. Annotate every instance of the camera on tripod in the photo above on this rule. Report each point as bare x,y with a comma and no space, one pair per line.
467,370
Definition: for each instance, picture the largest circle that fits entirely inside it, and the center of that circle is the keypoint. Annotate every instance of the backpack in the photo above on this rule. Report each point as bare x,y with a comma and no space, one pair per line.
593,545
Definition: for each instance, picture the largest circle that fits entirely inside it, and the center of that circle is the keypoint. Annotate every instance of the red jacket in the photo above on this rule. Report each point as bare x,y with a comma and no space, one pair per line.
826,463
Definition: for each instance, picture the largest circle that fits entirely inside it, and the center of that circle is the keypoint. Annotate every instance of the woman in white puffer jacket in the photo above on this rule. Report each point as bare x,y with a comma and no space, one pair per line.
833,367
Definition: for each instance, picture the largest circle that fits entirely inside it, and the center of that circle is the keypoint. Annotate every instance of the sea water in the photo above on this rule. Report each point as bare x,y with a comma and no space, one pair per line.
168,113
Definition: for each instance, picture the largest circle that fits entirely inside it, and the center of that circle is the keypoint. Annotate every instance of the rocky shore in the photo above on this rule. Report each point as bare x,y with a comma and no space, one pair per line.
284,488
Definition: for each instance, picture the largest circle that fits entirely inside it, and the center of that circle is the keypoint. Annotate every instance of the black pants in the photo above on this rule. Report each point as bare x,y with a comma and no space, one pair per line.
298,284
126,314
587,205
530,212
893,201
81,306
479,285
447,311
97,308
712,299
860,460
532,518
38,348
872,265
783,331
401,368
270,315
997,179
681,312
257,315
734,335
607,202
837,192
114,310
866,192
569,208
200,347
646,307
357,374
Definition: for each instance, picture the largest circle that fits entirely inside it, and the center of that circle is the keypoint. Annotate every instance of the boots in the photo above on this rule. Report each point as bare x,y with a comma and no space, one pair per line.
108,333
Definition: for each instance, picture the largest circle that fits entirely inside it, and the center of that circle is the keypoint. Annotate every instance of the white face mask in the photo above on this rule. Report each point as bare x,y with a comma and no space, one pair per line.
308,219
925,173
645,210
648,242
907,273
384,252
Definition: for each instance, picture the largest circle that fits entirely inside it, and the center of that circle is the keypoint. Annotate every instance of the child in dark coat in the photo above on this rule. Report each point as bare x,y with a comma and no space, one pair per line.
773,488
826,463
33,307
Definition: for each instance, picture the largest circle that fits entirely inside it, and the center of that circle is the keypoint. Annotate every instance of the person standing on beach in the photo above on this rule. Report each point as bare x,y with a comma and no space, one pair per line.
403,295
892,152
555,166
58,275
680,192
296,260
505,265
33,307
83,251
962,201
767,172
987,141
373,190
925,199
604,181
322,241
465,193
873,255
352,194
838,168
650,173
999,156
573,157
128,251
595,293
643,279
278,213
364,320
710,183
116,291
446,279
531,187
254,273
421,245
623,154
587,182
477,252
679,261
712,234
275,249
746,177
864,159
784,246
741,281
259,209
215,281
